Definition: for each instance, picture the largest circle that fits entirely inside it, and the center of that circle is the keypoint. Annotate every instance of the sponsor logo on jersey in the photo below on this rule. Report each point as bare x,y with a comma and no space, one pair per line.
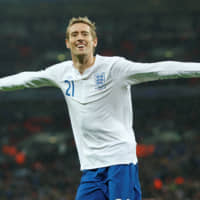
100,80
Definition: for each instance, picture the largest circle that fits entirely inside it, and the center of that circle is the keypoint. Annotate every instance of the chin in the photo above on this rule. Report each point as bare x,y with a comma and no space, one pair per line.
81,54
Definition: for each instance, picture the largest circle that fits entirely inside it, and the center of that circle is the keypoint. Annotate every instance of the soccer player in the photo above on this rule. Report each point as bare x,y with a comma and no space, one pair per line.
98,96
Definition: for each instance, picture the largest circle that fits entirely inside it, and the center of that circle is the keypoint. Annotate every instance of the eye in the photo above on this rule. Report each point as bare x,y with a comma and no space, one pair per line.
85,33
74,34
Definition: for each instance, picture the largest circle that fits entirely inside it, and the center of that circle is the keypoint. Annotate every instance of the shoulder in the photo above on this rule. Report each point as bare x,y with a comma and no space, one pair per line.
60,66
113,61
109,59
56,71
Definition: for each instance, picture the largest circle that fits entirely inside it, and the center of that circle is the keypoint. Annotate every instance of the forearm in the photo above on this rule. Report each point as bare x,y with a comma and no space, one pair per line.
25,80
164,70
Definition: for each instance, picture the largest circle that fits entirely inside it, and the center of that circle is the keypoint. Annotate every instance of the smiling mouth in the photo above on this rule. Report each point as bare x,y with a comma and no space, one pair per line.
80,46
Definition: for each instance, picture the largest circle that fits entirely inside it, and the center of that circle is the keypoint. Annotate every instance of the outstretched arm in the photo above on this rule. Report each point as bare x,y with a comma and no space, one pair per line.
26,80
135,73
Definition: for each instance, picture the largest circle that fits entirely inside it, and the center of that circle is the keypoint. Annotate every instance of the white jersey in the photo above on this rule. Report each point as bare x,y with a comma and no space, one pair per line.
99,102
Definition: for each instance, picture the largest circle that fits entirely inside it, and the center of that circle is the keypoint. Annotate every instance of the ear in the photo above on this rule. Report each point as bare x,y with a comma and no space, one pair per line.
67,44
95,41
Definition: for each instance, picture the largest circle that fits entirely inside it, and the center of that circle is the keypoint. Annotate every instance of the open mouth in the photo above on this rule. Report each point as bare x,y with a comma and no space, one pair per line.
80,46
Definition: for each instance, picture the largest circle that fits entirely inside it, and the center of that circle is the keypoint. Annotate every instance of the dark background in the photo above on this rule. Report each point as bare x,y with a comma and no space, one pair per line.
38,159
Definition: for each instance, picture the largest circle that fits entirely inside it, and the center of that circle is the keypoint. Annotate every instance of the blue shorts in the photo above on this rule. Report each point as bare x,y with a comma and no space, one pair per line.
118,182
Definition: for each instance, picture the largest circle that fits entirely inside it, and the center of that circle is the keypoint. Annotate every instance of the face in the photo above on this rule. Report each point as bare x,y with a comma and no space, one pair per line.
80,40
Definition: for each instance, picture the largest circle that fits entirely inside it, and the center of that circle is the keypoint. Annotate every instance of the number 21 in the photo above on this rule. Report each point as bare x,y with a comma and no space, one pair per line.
70,89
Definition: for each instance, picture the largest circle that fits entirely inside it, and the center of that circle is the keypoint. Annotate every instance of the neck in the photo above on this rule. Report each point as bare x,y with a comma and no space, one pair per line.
82,62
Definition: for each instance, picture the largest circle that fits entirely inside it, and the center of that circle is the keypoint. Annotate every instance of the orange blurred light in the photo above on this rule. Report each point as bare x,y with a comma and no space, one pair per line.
158,184
20,158
9,150
179,180
145,150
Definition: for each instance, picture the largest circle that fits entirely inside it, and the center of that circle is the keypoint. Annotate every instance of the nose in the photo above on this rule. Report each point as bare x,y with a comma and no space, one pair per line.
79,37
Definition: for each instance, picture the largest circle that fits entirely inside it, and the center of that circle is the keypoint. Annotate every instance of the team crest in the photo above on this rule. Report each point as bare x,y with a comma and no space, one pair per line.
100,80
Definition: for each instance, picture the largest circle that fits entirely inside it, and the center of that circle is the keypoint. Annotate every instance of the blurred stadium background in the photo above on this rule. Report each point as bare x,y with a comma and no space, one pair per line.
38,159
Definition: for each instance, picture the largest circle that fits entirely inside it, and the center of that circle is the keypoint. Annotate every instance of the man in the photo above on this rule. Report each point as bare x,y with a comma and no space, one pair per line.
97,92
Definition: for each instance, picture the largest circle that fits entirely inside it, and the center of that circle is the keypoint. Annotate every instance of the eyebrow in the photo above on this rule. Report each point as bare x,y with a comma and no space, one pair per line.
80,31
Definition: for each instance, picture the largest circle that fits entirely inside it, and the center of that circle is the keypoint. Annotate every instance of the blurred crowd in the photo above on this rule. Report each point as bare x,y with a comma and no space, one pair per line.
168,138
38,159
32,42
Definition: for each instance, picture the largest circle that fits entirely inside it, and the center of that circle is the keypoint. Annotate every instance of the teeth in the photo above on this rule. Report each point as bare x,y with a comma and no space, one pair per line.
81,45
